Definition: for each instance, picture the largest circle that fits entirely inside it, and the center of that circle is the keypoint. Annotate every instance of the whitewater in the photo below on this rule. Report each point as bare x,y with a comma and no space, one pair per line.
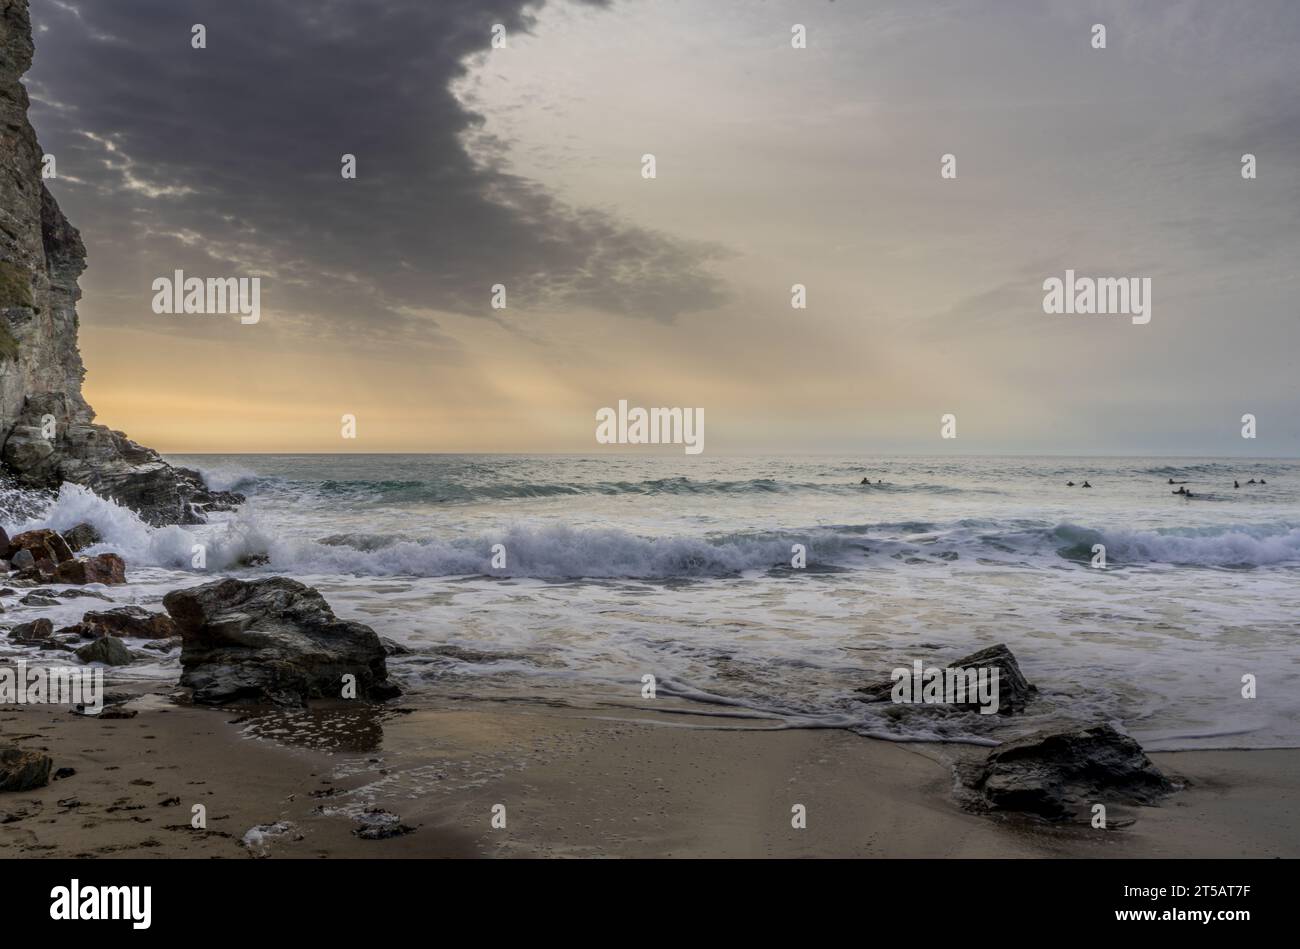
618,566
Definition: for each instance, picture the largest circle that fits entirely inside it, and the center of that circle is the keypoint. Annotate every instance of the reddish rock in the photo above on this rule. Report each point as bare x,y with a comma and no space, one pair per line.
44,545
101,568
131,621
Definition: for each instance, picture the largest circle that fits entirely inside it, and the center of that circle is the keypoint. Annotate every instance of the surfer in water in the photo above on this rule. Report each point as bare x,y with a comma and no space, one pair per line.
1069,484
1085,485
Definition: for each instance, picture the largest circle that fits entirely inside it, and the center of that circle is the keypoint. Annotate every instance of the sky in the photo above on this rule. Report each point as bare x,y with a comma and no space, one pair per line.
775,166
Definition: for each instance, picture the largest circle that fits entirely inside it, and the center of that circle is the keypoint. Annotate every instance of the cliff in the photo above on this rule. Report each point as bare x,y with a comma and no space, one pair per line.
47,431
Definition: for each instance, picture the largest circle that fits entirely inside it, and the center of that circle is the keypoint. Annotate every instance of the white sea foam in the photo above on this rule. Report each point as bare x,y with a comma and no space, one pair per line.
997,550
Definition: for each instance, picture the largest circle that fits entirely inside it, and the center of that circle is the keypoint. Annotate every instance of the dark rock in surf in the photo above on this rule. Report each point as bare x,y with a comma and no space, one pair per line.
36,629
109,650
272,640
1014,690
81,537
1061,775
393,648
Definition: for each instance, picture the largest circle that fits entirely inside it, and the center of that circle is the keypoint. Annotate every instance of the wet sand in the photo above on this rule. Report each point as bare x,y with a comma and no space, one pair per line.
573,783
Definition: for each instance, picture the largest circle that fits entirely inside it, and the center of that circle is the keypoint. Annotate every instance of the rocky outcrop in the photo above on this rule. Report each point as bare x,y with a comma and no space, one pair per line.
1060,775
275,641
47,431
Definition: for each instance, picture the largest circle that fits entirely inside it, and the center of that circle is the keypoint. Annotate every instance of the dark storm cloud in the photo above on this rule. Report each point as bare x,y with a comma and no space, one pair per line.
174,156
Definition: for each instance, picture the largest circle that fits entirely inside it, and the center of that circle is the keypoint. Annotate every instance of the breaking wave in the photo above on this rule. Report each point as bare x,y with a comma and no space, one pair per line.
561,552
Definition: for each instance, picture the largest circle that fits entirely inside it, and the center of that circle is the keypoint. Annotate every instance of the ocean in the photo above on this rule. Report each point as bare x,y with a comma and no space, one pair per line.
622,566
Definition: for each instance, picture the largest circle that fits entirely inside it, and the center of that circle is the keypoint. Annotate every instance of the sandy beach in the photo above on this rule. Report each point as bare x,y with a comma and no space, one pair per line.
574,783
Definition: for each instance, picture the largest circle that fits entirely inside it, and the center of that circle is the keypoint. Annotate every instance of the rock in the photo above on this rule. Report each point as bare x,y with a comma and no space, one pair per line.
131,621
116,711
380,825
35,599
23,770
272,640
81,537
393,648
43,545
23,560
41,258
1014,690
1060,775
72,593
110,650
163,645
36,629
106,462
101,568
64,773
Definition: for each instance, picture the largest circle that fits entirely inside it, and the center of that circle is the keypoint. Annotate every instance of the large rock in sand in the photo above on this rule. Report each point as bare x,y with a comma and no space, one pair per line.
23,770
1060,775
272,640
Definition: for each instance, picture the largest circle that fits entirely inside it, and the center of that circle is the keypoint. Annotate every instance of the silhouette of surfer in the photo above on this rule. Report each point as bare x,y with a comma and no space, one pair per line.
1069,484
1085,485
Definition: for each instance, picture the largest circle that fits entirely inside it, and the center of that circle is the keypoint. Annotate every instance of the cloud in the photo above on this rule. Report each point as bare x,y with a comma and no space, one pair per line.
241,143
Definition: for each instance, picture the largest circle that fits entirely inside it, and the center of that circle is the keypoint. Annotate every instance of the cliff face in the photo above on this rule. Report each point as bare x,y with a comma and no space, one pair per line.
46,428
